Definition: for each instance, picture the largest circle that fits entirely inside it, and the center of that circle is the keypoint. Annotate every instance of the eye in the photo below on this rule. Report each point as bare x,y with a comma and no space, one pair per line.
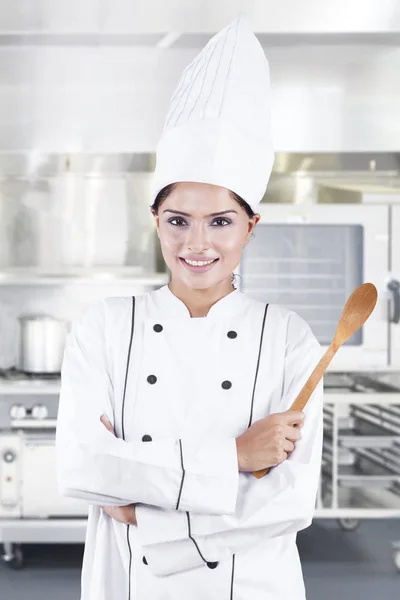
177,221
221,222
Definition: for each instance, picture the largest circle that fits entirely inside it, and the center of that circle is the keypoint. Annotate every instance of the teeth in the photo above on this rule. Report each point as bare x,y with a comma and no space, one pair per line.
198,263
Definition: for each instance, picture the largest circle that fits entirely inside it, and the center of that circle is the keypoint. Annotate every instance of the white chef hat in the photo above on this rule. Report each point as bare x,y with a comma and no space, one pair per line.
218,126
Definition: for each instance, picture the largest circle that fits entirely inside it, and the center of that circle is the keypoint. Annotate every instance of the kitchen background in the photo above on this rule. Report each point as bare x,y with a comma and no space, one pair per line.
84,88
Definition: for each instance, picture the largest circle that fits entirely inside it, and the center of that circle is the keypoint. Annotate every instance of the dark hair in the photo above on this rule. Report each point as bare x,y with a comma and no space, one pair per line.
165,192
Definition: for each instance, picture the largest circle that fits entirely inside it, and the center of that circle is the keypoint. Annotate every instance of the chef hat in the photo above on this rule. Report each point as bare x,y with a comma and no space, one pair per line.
218,126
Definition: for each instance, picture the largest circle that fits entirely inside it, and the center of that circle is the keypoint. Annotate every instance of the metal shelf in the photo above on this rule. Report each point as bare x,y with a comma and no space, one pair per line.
30,387
79,276
376,437
44,531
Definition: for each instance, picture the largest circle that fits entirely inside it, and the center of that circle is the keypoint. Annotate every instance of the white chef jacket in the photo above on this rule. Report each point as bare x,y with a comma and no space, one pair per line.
178,391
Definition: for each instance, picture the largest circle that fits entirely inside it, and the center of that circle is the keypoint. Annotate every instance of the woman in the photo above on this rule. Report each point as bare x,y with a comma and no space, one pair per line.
171,399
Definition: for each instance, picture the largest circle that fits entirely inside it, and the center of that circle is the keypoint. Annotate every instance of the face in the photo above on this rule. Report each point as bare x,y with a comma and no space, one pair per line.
202,231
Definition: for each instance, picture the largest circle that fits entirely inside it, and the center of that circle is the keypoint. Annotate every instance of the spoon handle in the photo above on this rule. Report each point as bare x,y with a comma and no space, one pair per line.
307,390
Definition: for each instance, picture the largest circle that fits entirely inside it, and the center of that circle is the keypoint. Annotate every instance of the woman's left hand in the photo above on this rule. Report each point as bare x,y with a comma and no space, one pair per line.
123,514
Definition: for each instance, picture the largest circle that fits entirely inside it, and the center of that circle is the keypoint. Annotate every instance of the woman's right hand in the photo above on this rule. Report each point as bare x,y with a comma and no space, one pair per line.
268,441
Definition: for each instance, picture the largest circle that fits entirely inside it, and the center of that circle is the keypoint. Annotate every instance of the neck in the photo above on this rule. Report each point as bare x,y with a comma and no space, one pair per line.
199,301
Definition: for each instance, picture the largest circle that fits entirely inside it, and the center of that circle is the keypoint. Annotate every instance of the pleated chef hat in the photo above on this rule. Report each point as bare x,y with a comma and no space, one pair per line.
217,128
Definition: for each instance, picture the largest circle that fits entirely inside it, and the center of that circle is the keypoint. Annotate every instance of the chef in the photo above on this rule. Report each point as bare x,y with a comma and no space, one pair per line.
169,400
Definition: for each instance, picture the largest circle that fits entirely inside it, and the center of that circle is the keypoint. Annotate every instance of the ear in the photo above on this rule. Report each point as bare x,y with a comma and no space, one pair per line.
156,219
252,223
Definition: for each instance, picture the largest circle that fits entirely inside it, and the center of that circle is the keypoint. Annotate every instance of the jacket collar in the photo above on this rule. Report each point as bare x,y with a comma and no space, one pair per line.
173,307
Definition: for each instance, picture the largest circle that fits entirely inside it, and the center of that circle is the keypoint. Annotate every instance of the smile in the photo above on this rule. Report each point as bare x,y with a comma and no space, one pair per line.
198,266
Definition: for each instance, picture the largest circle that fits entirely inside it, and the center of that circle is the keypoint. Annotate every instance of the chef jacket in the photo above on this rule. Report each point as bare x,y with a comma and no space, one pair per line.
178,391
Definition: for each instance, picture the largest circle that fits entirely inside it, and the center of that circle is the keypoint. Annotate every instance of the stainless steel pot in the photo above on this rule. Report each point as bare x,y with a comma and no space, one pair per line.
42,343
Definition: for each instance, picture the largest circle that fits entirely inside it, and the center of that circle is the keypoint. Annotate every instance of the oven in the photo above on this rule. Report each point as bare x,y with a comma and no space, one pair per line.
309,258
28,477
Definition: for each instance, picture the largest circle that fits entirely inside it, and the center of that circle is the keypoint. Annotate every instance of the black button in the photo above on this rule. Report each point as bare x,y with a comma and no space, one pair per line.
226,385
144,560
212,565
158,327
152,379
147,438
232,335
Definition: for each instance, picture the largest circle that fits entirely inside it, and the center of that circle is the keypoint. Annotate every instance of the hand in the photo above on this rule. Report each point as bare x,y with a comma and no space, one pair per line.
268,441
123,514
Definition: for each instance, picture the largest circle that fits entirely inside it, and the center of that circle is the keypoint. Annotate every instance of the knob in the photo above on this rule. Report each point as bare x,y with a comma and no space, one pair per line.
9,456
17,411
39,411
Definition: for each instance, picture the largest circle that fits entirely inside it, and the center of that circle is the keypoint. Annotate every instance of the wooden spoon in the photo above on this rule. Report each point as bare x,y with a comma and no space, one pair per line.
356,311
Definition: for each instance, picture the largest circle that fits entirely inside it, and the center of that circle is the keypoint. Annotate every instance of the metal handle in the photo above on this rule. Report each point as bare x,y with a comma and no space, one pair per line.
394,287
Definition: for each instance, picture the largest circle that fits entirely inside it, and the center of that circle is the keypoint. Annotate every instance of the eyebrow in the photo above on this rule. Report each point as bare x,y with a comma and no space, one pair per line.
183,214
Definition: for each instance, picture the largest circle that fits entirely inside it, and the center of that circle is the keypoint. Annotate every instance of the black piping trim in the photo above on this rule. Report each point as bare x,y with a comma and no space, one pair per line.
233,574
130,562
123,433
127,366
258,364
183,475
193,540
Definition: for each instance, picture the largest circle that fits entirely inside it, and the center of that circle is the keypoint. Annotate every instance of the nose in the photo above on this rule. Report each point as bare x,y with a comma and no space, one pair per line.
197,238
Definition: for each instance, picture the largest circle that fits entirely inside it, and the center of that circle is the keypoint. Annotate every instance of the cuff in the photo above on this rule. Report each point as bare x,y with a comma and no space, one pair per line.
169,545
210,478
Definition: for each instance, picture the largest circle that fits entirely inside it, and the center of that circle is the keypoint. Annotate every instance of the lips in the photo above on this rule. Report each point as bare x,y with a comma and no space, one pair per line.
198,269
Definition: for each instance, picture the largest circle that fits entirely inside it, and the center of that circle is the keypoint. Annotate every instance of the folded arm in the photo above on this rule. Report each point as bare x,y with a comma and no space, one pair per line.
94,465
280,503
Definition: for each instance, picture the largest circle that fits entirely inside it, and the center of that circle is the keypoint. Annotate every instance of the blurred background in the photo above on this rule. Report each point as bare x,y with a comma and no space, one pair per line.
84,88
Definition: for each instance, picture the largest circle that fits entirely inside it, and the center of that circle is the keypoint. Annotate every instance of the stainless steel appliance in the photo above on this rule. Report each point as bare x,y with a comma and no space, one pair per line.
310,257
31,509
42,343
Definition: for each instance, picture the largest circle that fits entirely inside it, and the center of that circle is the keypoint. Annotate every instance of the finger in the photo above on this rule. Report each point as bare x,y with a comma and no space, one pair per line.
130,515
126,514
282,458
294,417
106,422
292,433
288,446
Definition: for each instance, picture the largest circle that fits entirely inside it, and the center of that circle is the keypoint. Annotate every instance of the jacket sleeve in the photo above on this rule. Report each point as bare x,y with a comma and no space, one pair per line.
94,465
282,502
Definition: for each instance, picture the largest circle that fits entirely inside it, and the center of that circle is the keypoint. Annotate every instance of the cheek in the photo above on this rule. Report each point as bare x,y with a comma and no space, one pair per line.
171,237
228,240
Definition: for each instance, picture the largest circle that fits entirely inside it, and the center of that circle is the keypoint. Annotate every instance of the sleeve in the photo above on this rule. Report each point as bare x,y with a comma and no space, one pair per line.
282,502
96,466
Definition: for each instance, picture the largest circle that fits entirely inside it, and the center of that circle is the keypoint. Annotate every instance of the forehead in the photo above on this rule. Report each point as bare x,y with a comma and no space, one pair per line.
199,198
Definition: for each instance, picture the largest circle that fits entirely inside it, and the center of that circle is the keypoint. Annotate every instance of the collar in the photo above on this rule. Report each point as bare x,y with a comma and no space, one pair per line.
167,302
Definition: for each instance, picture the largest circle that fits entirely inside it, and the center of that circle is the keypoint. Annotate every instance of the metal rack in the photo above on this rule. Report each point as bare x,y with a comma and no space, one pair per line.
360,475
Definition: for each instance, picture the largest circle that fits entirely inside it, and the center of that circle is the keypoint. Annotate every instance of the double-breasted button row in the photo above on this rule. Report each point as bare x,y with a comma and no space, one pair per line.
152,379
226,385
157,328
